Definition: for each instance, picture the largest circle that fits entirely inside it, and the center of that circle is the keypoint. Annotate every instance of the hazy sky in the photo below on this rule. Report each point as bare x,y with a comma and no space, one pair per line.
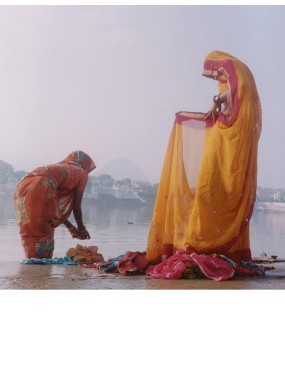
109,79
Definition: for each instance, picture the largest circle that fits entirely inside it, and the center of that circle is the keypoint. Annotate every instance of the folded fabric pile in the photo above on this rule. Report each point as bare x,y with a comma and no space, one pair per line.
215,267
85,255
129,264
180,265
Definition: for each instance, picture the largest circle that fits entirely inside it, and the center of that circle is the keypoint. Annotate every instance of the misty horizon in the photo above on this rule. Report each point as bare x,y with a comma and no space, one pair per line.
108,80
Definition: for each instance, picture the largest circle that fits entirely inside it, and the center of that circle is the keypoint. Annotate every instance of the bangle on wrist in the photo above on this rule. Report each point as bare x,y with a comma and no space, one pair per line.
217,99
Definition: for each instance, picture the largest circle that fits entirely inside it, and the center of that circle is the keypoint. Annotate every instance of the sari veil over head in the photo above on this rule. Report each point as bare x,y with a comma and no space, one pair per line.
207,188
81,159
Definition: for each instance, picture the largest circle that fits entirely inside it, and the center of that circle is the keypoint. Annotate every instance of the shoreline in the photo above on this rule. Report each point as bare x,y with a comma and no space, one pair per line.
18,276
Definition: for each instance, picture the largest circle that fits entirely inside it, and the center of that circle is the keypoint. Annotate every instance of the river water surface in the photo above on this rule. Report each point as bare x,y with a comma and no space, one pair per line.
121,227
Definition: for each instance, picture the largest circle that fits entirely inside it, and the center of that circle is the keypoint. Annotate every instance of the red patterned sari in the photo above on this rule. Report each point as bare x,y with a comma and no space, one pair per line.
43,202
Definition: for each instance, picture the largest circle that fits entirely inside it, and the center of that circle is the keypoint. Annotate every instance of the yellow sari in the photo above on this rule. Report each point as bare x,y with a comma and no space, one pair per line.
207,187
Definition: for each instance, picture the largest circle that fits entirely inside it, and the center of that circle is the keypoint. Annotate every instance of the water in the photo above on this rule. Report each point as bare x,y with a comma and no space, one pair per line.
117,228
114,228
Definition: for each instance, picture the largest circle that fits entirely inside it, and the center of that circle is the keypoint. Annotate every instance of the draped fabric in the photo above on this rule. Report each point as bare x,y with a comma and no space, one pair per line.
207,188
80,159
42,203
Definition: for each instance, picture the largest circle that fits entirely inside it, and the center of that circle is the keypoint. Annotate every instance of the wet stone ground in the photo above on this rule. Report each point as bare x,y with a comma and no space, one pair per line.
20,276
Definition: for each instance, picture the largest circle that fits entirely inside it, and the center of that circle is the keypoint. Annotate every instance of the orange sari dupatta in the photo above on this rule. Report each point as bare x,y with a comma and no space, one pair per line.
207,187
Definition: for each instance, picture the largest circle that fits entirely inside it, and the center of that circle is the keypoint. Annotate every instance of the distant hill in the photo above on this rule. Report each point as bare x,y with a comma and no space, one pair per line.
121,168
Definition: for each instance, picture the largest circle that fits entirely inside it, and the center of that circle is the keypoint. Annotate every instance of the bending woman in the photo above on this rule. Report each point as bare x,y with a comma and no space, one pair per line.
45,198
207,187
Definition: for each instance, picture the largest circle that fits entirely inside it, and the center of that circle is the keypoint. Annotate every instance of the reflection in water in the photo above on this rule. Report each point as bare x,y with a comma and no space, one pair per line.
268,233
107,214
39,279
118,227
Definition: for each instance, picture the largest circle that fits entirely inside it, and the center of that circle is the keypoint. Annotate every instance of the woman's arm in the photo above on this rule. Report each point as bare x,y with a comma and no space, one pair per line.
72,229
216,106
77,212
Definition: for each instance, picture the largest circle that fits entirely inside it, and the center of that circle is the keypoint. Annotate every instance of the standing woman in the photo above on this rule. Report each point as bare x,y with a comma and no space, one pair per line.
207,187
45,198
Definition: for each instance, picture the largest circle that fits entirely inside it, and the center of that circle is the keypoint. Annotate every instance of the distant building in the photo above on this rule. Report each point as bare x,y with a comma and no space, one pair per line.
118,190
278,196
270,195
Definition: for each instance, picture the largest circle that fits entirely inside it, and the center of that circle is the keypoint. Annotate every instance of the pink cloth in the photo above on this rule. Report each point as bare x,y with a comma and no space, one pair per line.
173,267
214,268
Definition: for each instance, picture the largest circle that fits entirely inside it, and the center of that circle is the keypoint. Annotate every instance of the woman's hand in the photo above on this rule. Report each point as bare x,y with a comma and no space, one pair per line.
71,229
216,108
83,234
213,112
74,232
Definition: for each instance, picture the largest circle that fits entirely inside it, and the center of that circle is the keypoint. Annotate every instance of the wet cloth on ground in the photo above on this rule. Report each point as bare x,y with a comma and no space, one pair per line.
78,255
45,261
109,266
214,267
130,263
187,266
